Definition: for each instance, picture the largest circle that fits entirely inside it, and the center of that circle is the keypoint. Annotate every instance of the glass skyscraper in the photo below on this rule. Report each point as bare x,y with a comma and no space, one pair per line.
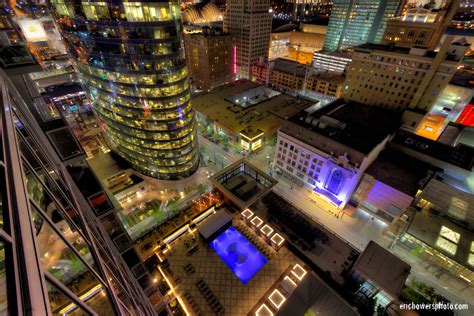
55,257
355,22
130,58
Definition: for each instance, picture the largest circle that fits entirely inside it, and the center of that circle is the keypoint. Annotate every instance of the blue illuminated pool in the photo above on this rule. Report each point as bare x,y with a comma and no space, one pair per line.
238,254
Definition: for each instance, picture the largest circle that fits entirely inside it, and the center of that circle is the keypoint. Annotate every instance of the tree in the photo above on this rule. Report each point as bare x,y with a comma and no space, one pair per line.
225,141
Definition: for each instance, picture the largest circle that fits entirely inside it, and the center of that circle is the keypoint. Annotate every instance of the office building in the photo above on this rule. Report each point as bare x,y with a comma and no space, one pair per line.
441,230
328,150
55,247
294,78
250,23
135,75
402,79
210,58
452,105
356,22
336,61
420,27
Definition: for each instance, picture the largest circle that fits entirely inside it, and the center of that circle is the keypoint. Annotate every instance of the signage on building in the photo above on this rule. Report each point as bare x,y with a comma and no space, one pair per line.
33,30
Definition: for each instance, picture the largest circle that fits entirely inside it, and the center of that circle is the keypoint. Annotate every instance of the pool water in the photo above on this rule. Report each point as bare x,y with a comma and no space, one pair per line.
238,254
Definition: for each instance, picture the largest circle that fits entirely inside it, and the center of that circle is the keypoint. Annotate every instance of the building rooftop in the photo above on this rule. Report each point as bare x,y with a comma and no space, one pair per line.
426,227
290,67
416,52
266,114
383,268
400,171
314,297
342,54
344,127
461,155
330,76
463,80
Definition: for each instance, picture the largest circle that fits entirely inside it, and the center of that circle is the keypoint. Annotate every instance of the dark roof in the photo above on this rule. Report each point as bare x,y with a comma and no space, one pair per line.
285,28
383,268
459,32
60,90
290,67
461,155
312,294
465,80
400,171
384,47
365,126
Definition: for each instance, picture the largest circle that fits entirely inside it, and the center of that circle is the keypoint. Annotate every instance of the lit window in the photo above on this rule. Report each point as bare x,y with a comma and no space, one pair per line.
446,245
449,234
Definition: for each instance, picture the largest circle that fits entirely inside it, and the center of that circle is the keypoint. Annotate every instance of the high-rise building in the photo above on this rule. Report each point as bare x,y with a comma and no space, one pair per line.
402,78
131,62
355,22
55,257
210,58
250,23
420,27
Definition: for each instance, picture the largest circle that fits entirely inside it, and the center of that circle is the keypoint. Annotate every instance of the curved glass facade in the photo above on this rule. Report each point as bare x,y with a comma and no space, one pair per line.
130,58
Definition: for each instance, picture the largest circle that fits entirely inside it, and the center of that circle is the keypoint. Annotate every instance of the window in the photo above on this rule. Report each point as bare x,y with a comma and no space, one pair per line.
449,234
448,240
446,245
335,181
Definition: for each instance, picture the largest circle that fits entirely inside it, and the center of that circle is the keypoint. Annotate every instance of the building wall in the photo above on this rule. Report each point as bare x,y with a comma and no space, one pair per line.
210,59
250,23
380,199
406,34
331,62
449,201
396,80
332,88
286,81
312,167
327,83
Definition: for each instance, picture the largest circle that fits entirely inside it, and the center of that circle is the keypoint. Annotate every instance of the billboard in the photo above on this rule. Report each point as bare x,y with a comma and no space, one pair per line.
467,116
33,30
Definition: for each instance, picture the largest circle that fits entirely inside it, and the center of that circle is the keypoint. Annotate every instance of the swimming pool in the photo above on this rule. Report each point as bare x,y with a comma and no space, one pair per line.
238,254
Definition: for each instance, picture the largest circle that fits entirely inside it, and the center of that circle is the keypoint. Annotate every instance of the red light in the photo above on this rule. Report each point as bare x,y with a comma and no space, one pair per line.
467,116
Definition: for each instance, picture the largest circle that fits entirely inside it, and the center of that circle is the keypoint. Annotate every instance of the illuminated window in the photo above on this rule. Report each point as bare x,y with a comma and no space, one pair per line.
449,234
446,245
448,240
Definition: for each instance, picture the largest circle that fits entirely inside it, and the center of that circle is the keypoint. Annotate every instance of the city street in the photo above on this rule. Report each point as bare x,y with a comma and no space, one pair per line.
357,230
